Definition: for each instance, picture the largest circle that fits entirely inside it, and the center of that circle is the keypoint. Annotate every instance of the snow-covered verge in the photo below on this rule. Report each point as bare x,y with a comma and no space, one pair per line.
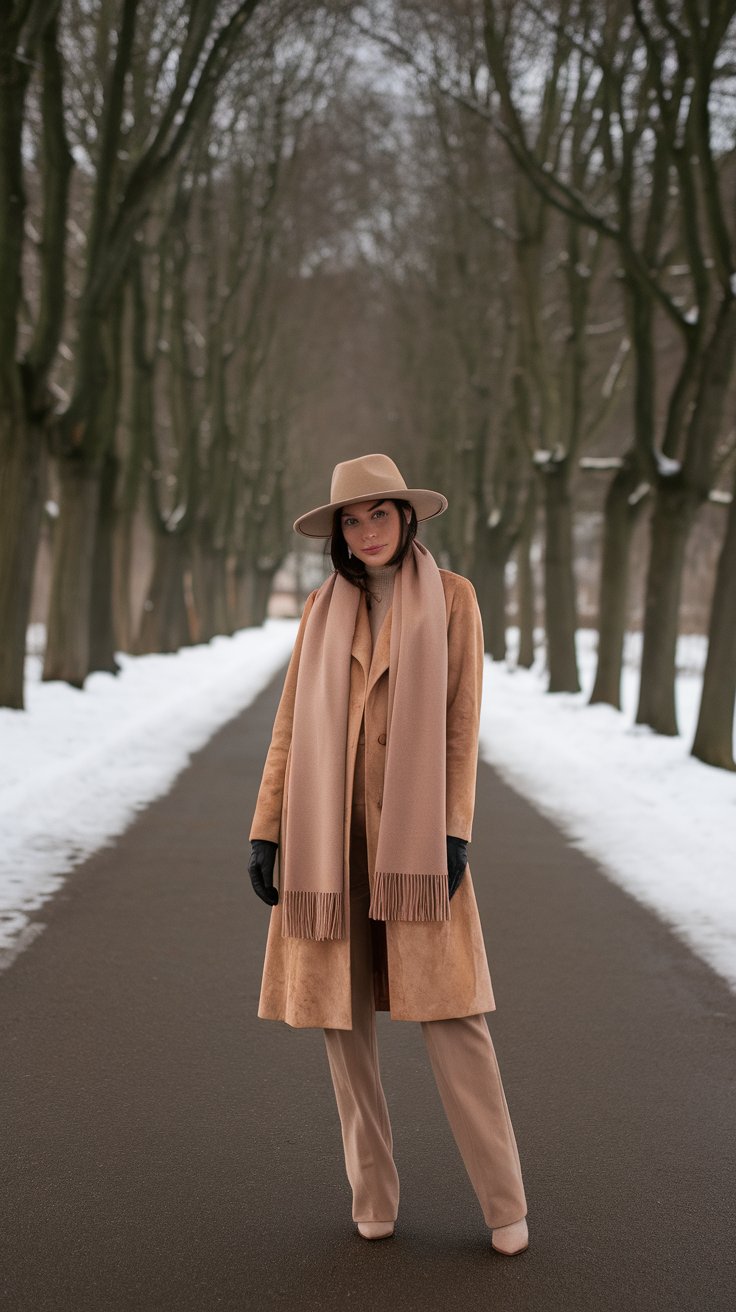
76,766
659,822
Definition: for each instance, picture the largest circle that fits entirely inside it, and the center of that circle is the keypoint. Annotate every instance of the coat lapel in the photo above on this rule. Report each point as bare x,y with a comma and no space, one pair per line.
362,644
382,653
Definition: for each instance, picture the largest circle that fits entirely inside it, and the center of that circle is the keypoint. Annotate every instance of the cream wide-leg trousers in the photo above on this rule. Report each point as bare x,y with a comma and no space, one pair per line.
467,1075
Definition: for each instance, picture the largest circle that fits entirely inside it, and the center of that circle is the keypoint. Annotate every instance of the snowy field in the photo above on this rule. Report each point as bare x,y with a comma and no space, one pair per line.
660,823
76,766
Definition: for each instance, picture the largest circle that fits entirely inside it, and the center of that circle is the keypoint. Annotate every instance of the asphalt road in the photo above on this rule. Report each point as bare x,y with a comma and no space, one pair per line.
164,1149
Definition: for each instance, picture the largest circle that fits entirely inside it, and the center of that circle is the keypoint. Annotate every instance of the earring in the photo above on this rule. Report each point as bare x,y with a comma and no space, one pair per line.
350,554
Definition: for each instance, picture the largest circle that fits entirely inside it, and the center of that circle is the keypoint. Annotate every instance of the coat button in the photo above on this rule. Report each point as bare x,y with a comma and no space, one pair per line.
382,739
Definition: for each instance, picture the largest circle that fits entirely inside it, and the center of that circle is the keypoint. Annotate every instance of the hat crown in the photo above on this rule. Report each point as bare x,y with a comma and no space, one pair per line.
369,478
368,475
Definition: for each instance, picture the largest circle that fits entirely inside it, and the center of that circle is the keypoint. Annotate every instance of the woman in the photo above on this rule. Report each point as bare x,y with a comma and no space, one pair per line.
368,794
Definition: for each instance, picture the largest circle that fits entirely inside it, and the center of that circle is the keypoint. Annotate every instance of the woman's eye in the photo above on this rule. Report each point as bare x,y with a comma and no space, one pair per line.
380,514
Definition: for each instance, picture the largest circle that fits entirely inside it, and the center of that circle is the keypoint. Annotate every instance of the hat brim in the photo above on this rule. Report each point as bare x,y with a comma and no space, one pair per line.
318,523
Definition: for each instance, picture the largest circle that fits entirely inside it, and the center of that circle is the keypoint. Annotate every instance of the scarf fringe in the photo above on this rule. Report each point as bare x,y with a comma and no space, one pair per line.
311,915
409,897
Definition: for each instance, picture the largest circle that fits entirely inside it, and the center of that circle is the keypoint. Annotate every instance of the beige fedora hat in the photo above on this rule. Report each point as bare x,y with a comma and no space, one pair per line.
369,478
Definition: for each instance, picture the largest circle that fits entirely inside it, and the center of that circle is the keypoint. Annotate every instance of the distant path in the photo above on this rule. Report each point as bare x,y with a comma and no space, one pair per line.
163,1149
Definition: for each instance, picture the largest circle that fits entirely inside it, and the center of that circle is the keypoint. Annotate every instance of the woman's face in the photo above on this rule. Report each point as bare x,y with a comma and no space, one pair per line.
372,530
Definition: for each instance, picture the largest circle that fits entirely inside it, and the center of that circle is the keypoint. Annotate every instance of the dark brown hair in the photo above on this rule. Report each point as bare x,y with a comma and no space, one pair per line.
351,567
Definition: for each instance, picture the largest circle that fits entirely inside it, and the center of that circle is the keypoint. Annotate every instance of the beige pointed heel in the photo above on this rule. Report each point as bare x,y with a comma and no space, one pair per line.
510,1239
376,1229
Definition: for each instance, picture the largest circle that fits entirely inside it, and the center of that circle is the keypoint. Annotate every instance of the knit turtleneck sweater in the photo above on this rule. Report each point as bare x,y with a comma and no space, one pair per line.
381,584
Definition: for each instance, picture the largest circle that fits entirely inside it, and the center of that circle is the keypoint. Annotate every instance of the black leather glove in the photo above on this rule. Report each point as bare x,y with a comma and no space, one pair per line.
260,869
457,859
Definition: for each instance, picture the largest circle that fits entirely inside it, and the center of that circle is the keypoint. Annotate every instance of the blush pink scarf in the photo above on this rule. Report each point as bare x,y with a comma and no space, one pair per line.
411,864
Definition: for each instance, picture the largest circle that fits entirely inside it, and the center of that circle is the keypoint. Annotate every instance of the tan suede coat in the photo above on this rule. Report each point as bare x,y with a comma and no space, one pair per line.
437,970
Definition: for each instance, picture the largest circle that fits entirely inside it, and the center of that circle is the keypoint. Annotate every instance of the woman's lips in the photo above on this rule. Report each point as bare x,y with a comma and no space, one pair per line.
371,551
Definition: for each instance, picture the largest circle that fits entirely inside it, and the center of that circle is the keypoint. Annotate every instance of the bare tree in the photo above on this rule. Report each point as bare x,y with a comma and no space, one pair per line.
28,47
558,406
229,240
678,66
714,733
199,43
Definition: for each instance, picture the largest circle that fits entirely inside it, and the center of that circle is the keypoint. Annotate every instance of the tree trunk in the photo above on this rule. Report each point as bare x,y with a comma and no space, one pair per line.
525,581
262,585
210,591
678,499
714,734
20,446
243,586
490,583
21,492
67,642
202,587
192,616
121,578
88,433
559,580
624,505
101,626
220,616
671,523
165,624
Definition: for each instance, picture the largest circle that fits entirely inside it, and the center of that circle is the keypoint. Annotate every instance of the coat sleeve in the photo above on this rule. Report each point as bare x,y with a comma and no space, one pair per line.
464,689
267,818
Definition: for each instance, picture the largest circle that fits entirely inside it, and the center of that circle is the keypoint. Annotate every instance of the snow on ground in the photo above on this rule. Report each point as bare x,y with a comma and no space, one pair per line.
76,766
659,822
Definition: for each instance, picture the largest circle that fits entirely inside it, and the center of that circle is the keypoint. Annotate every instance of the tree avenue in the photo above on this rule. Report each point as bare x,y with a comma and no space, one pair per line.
239,241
